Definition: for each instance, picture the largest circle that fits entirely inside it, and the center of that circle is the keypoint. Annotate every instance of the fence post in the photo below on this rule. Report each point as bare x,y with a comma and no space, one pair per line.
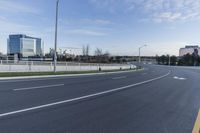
99,67
79,66
9,67
51,66
29,66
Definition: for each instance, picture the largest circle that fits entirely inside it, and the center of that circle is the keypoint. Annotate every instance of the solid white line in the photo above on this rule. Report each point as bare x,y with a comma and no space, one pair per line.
123,77
37,87
83,97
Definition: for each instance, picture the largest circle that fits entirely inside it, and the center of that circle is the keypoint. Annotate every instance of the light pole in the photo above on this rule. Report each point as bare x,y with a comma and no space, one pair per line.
169,63
56,34
140,52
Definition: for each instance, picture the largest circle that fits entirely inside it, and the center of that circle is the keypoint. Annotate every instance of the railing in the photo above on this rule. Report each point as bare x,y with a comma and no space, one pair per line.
42,66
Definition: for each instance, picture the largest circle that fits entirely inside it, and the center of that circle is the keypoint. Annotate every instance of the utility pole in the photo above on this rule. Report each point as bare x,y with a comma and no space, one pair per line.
169,60
56,35
140,53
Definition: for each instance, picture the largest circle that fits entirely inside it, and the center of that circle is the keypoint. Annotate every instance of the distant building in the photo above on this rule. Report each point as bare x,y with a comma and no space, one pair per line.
24,46
189,50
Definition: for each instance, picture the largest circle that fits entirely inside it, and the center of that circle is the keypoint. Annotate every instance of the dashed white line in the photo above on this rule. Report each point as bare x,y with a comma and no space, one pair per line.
123,77
175,77
83,97
144,73
38,87
182,78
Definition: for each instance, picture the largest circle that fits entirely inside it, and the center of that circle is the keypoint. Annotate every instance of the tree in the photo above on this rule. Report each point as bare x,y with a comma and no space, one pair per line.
98,55
85,52
164,60
186,60
173,60
106,57
98,52
195,57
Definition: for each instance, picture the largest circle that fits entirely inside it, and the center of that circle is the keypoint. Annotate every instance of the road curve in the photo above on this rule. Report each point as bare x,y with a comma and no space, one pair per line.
155,100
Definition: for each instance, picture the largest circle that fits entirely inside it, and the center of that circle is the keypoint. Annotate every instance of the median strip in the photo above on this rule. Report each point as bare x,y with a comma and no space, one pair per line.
196,128
83,97
38,87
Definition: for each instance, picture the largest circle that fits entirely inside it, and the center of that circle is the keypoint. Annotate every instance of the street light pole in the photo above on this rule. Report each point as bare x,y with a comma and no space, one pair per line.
169,63
140,52
56,34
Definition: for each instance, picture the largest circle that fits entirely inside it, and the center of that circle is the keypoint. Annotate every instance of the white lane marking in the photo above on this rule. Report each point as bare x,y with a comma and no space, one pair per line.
83,97
175,77
144,73
37,87
123,77
182,78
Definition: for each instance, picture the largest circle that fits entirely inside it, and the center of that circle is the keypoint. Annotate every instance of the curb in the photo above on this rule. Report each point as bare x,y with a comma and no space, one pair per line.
66,75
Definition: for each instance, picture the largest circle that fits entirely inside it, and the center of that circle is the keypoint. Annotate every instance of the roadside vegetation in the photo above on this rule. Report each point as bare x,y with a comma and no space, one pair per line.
186,60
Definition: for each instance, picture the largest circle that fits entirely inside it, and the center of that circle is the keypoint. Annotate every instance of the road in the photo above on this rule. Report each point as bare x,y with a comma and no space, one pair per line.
156,100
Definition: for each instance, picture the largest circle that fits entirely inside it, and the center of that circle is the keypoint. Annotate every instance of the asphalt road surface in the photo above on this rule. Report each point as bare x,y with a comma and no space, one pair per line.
155,100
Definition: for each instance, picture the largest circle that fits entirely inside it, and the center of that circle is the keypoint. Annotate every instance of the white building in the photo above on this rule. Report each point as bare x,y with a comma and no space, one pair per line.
189,49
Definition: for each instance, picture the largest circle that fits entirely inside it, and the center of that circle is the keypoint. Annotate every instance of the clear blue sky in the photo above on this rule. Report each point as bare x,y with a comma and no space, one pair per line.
118,26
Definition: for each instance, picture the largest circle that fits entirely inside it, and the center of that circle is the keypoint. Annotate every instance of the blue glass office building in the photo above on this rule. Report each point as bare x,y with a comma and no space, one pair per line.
24,45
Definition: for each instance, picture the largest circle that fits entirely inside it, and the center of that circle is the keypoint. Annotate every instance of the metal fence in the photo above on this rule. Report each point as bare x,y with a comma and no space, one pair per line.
41,66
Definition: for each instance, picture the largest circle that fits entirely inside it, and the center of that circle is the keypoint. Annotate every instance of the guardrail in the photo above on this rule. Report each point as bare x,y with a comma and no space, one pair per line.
41,66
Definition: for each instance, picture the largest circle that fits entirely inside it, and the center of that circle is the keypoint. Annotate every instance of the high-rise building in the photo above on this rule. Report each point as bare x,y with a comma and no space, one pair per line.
25,46
189,50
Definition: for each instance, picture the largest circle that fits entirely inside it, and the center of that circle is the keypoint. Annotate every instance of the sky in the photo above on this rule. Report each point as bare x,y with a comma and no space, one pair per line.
117,26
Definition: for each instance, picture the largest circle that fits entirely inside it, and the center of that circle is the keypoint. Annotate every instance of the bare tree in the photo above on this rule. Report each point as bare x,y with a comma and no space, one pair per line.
87,50
98,52
84,50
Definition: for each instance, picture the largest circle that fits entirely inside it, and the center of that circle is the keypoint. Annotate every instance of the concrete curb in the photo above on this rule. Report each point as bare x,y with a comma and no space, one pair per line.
65,75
